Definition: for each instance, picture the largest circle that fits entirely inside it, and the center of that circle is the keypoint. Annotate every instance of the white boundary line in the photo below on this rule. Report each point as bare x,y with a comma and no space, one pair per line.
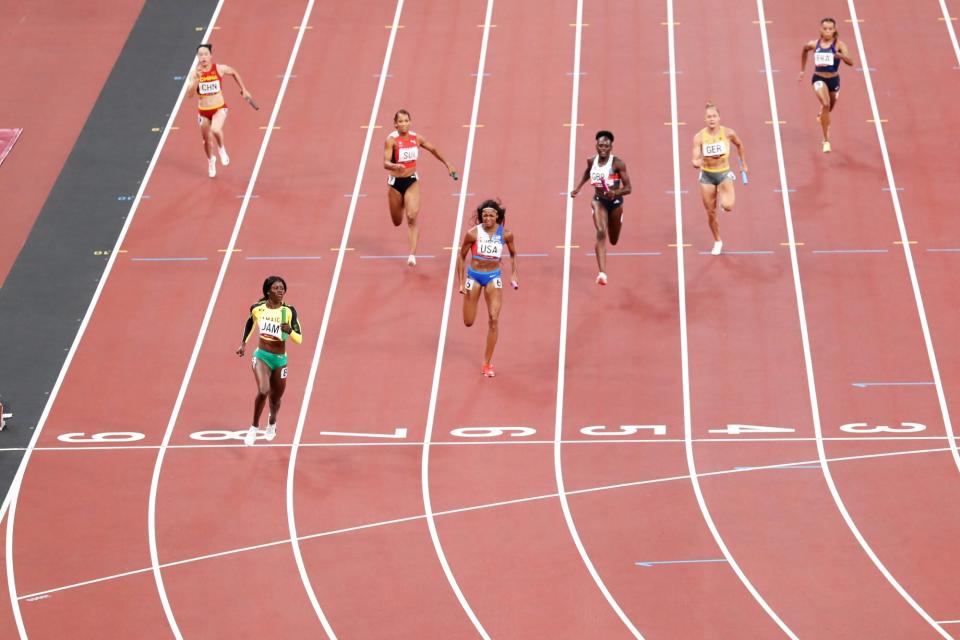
562,352
489,505
950,30
325,325
684,359
9,506
205,323
444,323
801,310
902,227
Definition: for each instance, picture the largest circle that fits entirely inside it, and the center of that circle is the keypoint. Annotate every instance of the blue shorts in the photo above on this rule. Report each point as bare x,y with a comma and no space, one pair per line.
833,84
483,278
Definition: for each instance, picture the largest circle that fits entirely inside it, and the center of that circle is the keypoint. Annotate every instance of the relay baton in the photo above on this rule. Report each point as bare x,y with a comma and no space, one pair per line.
251,102
743,174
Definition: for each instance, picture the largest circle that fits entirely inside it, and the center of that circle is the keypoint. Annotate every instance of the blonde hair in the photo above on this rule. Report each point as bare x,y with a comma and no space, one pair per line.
709,106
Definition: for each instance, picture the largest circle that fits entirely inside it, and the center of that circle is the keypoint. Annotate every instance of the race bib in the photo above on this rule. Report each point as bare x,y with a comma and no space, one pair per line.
714,149
407,154
598,179
270,328
490,249
209,88
823,58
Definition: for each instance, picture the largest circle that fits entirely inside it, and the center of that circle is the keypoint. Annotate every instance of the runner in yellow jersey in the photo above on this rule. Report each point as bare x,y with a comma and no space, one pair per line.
711,154
275,321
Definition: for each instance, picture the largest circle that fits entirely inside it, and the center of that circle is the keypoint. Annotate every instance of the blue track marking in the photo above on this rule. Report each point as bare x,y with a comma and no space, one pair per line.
864,385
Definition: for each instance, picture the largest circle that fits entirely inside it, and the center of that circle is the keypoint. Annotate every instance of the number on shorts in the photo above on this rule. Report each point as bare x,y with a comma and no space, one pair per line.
863,427
468,285
283,373
497,283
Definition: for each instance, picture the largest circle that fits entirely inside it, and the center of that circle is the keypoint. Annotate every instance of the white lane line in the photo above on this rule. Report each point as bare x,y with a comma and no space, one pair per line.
449,512
9,506
325,324
684,358
904,238
948,21
205,323
444,323
473,443
562,355
801,310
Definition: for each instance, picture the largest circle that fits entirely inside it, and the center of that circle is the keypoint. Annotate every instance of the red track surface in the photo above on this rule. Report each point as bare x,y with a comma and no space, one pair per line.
80,41
517,564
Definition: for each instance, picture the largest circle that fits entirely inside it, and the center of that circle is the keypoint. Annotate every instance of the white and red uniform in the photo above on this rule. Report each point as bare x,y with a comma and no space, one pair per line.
605,177
406,149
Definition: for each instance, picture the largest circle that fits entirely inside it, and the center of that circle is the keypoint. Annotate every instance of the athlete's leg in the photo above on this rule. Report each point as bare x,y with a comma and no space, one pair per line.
395,199
216,126
833,99
823,96
615,224
261,373
208,142
600,223
708,193
470,299
493,297
411,207
726,195
278,384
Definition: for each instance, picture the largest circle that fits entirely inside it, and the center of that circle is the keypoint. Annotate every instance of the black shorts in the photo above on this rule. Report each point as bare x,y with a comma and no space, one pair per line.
401,184
609,205
833,84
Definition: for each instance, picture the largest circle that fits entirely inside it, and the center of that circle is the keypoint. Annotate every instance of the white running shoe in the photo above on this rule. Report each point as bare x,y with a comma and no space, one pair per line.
826,146
412,260
601,279
224,158
251,436
212,167
271,432
717,248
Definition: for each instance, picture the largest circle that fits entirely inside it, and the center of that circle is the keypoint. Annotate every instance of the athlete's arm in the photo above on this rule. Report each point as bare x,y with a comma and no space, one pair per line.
625,187
436,153
468,239
230,71
388,162
807,48
697,152
844,54
735,139
247,330
583,179
508,239
293,328
194,86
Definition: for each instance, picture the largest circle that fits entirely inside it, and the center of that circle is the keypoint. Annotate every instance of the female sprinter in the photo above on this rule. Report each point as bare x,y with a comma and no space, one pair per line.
206,84
828,51
711,154
608,175
485,241
403,191
275,321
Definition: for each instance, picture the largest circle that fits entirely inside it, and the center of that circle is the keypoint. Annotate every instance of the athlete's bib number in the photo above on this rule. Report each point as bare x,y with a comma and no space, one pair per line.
490,249
209,88
270,328
823,58
714,149
406,154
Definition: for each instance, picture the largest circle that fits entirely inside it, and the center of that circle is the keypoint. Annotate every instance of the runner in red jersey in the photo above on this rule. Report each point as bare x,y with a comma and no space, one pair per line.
207,85
400,153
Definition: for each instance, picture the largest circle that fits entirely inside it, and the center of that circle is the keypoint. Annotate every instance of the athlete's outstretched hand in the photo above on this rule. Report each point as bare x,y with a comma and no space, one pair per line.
573,194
